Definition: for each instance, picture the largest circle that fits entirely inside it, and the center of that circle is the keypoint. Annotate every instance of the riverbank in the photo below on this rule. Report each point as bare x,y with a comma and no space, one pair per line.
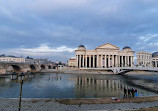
90,71
107,72
79,104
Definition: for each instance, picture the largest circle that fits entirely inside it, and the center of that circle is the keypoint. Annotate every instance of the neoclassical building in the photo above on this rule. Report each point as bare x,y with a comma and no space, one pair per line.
104,56
155,59
144,59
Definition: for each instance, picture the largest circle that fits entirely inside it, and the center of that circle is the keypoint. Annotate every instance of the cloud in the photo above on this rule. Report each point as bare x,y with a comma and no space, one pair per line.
43,49
61,53
66,24
148,37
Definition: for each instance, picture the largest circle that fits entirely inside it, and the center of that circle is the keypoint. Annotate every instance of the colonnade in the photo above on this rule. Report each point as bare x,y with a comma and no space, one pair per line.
104,61
155,63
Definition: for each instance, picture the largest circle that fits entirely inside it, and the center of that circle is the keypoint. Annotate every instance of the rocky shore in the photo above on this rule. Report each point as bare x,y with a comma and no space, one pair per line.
57,105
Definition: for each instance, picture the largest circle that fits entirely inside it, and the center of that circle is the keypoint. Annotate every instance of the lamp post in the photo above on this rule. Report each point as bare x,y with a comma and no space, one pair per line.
20,95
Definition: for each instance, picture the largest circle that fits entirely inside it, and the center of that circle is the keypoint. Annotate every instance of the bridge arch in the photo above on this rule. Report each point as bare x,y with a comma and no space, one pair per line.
49,67
33,68
14,68
43,67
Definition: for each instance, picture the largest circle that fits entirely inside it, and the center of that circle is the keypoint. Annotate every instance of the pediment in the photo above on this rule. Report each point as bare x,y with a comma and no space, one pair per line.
108,46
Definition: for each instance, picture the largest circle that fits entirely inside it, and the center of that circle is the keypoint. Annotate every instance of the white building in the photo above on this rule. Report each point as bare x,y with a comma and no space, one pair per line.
72,62
23,60
12,59
144,59
155,59
106,55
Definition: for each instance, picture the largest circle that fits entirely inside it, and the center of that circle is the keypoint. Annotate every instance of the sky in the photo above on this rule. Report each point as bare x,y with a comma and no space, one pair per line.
53,29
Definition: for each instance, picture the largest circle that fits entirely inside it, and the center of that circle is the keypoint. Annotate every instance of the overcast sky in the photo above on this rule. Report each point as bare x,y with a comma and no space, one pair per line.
53,29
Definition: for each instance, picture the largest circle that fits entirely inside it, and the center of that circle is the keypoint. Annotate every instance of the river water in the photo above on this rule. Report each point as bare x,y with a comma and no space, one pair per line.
51,85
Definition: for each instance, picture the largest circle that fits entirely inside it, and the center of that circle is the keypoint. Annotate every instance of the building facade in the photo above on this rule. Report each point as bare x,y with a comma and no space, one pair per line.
72,62
104,56
27,60
155,59
12,59
144,59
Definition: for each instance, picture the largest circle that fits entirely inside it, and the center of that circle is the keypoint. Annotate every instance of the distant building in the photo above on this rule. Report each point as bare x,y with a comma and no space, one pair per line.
72,62
144,59
28,60
38,61
31,61
11,59
43,61
106,55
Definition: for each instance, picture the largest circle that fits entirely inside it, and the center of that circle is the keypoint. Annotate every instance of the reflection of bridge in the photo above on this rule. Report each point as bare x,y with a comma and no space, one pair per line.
7,67
123,70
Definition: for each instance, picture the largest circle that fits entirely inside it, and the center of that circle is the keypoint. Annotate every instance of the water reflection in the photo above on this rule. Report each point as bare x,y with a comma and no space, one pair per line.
92,87
70,86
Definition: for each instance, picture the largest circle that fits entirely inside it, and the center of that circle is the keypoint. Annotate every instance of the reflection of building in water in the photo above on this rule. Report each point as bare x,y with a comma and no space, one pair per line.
94,87
56,77
91,87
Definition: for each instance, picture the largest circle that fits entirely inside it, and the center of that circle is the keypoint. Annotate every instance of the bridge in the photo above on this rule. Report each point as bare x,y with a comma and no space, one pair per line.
123,70
8,67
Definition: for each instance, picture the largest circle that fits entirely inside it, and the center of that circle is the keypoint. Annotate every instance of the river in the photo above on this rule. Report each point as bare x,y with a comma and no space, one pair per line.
52,85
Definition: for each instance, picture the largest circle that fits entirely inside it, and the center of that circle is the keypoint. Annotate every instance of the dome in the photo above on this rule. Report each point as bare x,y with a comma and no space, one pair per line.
81,46
127,47
155,54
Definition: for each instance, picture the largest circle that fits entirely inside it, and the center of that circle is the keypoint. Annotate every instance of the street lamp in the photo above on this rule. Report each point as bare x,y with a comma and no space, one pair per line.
21,82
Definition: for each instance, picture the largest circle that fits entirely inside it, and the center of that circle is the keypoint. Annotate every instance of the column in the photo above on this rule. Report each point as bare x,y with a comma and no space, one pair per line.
109,61
112,60
97,61
105,61
86,61
132,60
125,61
82,60
116,61
90,61
127,64
155,63
76,60
93,61
129,61
101,60
122,61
